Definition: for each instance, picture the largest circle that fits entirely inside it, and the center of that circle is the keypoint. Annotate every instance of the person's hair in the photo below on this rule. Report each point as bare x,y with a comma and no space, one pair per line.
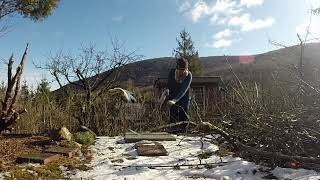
182,63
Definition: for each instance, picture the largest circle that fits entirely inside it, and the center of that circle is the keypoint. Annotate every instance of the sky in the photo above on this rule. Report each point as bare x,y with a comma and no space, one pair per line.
150,27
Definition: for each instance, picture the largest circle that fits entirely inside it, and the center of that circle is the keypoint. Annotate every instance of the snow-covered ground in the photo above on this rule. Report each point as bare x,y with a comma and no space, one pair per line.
112,160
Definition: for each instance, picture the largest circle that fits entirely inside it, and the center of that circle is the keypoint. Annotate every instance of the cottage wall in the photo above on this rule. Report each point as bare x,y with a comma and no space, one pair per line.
204,92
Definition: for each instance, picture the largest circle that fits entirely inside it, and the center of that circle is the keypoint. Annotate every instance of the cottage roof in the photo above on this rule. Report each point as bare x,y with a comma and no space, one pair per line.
199,80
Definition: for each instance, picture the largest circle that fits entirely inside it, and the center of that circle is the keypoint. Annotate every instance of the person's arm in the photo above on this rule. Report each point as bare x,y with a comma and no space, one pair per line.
168,88
184,87
170,82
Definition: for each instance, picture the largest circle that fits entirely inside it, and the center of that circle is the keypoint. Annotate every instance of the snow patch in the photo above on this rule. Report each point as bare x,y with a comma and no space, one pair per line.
114,160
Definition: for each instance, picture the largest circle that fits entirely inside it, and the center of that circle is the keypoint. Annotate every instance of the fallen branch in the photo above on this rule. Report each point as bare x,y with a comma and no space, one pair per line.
173,125
253,151
279,156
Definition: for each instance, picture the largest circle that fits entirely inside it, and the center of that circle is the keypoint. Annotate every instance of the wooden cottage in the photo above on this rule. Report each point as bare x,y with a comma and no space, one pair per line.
205,91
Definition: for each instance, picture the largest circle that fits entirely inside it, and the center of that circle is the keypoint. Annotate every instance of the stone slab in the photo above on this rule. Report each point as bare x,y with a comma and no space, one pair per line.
151,149
154,136
42,158
69,152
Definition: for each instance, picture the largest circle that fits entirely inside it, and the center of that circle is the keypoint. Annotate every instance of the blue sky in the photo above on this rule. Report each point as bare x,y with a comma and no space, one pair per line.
217,27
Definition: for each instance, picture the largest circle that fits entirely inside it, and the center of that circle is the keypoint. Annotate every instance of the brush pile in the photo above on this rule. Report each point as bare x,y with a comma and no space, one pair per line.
278,137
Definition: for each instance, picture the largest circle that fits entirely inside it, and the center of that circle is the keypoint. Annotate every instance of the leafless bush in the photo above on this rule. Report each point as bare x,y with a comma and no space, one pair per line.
89,75
279,118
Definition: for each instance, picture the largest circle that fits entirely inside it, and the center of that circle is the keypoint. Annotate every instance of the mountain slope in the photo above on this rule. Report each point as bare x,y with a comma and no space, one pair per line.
144,73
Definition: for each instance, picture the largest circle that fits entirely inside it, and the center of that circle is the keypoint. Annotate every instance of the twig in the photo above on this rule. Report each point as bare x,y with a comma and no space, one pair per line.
170,166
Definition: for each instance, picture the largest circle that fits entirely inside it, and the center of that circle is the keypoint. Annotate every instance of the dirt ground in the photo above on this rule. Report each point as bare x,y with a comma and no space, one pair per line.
11,146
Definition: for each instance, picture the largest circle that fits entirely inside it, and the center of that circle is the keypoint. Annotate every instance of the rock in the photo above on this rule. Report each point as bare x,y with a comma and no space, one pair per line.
65,134
61,134
225,178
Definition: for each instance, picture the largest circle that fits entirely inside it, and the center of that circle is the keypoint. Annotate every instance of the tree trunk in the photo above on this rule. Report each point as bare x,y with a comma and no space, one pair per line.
9,115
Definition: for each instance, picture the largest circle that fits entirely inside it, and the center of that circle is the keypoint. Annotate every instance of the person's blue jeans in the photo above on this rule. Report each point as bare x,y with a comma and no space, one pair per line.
179,112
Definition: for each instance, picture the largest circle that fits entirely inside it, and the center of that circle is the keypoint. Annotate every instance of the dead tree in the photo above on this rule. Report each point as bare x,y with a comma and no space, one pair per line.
9,115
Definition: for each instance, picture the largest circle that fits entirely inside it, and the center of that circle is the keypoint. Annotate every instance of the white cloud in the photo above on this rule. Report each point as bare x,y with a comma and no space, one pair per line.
214,19
239,20
230,14
222,21
222,11
226,6
221,43
184,6
219,9
200,8
223,34
251,3
218,20
247,24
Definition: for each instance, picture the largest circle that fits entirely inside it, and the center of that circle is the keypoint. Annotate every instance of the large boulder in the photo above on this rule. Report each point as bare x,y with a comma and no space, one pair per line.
65,134
61,134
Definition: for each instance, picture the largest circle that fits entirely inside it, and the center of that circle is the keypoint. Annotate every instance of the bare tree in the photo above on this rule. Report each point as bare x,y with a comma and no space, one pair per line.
304,38
9,115
91,72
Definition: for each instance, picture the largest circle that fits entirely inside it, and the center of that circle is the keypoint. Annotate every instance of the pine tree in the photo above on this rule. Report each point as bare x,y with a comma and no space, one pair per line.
43,88
187,50
25,92
42,93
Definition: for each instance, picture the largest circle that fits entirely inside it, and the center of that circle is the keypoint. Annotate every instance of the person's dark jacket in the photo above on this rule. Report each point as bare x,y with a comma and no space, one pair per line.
179,91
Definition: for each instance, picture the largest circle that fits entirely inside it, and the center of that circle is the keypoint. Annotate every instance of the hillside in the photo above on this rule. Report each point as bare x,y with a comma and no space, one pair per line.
144,73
